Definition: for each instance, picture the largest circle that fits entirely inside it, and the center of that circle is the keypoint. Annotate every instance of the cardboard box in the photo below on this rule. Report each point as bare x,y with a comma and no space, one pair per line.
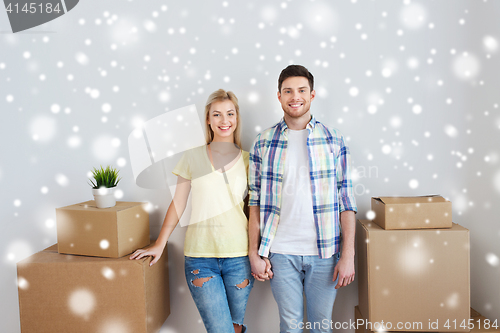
66,293
478,321
430,211
413,275
111,232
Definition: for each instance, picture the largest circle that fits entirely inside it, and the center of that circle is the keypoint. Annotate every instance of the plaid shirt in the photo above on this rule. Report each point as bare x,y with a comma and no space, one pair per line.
329,160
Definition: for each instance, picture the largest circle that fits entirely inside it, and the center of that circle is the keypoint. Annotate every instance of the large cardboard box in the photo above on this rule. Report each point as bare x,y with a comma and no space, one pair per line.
413,275
61,293
430,211
478,323
111,232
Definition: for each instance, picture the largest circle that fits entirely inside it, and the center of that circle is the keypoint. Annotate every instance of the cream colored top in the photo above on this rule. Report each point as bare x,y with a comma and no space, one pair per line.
218,226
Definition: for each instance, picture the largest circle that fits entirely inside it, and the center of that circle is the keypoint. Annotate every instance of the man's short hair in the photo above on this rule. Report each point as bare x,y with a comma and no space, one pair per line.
295,70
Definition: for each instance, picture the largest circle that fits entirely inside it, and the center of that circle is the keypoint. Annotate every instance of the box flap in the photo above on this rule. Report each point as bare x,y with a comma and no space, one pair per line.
90,205
52,248
474,313
410,200
371,226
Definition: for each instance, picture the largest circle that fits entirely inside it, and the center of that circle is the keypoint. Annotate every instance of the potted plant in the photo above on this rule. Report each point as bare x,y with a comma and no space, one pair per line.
104,186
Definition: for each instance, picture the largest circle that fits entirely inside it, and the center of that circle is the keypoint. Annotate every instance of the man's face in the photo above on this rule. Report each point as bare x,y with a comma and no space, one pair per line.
296,96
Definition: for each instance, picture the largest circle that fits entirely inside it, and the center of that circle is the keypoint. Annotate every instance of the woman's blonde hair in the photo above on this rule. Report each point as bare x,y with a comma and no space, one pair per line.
219,96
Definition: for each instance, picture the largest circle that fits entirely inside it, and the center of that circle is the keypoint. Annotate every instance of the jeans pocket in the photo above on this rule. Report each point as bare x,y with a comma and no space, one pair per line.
336,258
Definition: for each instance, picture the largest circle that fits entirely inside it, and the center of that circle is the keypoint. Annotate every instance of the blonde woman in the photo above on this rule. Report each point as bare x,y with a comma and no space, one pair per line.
216,245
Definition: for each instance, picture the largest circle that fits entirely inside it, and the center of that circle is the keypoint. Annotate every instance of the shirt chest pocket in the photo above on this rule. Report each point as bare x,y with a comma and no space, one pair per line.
324,158
326,171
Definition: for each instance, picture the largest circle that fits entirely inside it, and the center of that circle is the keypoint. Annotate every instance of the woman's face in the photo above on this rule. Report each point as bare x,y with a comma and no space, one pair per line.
222,119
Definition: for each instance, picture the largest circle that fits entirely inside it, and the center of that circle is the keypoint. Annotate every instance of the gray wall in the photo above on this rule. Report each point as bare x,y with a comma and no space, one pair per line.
425,118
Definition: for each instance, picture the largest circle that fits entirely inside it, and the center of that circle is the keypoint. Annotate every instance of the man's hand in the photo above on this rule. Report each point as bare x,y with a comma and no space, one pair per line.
345,266
345,271
261,268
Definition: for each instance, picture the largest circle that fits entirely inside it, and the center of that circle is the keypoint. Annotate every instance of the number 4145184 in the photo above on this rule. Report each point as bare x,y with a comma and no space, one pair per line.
33,8
471,324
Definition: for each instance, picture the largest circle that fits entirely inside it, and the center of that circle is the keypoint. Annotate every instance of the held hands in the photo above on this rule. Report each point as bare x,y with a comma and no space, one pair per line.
261,268
345,271
154,251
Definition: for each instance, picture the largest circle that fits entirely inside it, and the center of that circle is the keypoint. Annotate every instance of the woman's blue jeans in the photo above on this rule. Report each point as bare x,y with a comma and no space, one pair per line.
225,286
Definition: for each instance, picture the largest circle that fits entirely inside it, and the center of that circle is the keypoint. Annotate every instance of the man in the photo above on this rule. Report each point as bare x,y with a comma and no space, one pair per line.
301,197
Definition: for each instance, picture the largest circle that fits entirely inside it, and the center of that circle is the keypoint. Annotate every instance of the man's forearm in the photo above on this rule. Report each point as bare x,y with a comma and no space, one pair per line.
348,224
254,231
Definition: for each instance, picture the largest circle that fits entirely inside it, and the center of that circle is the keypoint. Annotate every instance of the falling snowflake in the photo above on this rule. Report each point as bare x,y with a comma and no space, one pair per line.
104,244
150,26
396,122
453,301
18,250
82,58
105,148
413,16
118,194
322,18
108,273
413,183
50,223
74,141
466,66
492,259
62,180
253,97
22,283
417,109
82,302
43,128
106,107
490,43
451,131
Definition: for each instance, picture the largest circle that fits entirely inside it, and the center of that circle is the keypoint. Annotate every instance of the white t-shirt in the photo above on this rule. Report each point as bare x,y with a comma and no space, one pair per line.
296,232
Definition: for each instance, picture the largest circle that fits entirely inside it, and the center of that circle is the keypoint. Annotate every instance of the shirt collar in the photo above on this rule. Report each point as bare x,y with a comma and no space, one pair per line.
310,125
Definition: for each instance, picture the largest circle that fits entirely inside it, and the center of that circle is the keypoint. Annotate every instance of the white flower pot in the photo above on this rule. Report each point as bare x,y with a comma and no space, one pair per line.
104,197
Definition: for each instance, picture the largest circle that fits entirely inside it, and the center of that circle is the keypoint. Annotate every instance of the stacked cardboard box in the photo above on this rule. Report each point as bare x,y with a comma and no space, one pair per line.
112,232
413,275
95,288
430,211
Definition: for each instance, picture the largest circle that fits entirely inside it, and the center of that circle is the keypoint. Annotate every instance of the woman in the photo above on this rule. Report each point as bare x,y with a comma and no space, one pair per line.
216,246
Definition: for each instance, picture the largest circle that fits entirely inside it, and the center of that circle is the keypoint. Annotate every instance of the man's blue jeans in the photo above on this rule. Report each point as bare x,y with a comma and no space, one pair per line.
297,275
222,299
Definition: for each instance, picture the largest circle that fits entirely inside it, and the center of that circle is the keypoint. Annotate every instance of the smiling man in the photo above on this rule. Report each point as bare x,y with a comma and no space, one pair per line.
302,208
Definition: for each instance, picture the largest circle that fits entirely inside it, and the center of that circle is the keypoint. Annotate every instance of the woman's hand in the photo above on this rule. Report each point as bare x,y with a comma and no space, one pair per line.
154,251
174,213
261,268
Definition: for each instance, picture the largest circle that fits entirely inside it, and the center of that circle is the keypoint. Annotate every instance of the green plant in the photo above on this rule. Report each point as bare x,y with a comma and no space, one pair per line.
104,177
